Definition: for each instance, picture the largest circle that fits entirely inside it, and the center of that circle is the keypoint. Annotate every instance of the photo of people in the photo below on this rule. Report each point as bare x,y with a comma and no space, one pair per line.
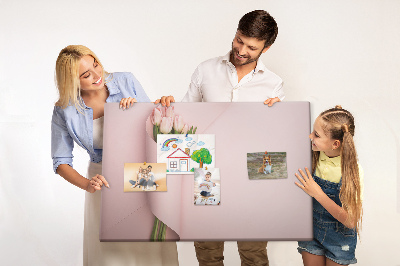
145,177
207,186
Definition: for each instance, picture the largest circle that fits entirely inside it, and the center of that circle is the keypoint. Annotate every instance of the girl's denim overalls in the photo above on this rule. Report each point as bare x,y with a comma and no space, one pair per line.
331,238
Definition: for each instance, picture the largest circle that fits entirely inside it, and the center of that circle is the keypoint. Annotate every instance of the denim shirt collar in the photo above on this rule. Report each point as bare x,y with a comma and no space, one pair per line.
112,88
111,85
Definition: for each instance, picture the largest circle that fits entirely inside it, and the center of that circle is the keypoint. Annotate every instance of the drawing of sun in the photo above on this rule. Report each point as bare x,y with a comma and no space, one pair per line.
174,146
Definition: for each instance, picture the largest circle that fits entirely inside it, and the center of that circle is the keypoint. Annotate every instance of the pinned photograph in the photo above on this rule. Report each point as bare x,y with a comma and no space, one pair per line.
145,177
184,153
207,186
267,165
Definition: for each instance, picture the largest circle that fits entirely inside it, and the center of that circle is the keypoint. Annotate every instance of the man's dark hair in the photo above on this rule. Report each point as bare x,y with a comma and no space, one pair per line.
259,24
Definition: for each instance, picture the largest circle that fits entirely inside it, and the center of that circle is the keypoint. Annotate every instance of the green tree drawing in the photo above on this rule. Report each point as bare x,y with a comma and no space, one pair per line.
202,156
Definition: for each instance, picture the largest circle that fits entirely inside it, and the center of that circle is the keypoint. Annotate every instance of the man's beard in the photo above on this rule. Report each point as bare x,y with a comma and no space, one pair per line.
249,60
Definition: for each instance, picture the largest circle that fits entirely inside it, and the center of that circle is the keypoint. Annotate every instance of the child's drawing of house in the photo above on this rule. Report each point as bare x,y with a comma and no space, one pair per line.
178,161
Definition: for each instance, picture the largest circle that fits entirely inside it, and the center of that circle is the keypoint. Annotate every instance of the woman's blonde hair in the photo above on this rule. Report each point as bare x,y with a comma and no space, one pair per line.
67,75
339,125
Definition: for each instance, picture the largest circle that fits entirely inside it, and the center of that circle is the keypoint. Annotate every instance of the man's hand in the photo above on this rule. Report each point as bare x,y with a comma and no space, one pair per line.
165,100
271,101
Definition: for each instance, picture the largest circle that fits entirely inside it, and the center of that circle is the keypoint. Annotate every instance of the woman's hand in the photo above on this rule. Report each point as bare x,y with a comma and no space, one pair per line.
308,184
165,100
96,183
125,103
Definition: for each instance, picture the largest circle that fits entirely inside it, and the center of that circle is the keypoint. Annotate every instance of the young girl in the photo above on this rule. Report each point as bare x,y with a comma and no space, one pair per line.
84,87
336,188
206,186
143,180
138,177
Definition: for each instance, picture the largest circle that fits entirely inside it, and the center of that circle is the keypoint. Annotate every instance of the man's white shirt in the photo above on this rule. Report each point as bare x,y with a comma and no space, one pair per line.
216,80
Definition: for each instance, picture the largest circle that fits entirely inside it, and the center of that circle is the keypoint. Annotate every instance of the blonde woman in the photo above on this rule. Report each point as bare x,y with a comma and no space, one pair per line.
84,87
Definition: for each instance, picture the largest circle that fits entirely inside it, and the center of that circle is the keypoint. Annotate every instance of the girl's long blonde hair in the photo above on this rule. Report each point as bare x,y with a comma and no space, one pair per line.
339,125
67,75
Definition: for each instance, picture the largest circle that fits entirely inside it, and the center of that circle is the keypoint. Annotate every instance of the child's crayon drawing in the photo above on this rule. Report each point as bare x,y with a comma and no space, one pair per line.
184,153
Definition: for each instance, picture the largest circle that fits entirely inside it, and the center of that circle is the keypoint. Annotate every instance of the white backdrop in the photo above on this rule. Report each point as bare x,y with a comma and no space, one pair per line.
327,52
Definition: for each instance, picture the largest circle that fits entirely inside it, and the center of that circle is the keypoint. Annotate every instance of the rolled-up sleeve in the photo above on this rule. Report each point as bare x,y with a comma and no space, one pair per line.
138,90
62,143
278,91
194,93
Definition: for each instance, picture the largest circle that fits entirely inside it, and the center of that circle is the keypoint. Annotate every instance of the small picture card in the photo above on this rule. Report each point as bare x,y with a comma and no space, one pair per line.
207,186
266,165
145,177
184,153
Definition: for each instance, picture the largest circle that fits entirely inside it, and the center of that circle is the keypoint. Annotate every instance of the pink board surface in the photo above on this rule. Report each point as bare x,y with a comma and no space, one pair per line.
274,209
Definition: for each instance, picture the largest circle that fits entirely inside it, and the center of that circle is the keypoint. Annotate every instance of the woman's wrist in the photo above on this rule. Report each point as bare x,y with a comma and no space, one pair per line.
87,185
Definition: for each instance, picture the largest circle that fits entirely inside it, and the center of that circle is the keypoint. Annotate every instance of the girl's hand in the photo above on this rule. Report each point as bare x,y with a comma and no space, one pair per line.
96,183
126,102
165,100
308,184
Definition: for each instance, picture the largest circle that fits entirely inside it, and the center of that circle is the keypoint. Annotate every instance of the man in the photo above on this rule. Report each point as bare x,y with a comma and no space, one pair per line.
239,76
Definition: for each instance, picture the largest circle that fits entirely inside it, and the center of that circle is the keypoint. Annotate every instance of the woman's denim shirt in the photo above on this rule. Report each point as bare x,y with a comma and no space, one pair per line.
69,125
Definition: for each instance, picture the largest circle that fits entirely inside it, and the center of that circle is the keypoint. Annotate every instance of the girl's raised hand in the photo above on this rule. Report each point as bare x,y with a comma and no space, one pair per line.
308,184
96,183
126,102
